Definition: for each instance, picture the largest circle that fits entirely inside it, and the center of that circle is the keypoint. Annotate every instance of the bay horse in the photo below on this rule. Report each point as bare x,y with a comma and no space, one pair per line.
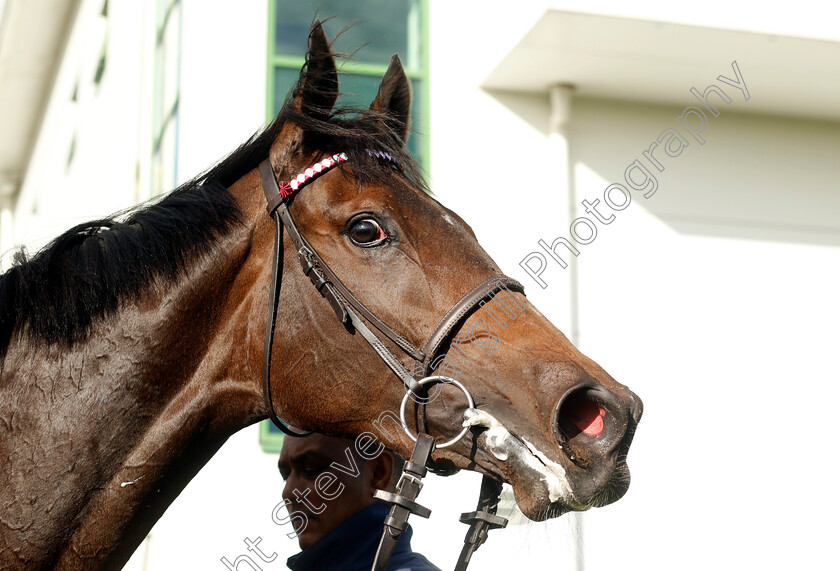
131,346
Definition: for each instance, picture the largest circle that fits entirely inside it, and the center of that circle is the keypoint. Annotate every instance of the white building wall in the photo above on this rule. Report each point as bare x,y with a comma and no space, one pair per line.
713,299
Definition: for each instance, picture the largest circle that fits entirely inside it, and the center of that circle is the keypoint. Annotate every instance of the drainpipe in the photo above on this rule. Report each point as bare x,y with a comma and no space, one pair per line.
560,98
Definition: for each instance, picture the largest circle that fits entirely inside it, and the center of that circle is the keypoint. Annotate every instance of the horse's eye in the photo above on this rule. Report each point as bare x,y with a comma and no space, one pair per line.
367,232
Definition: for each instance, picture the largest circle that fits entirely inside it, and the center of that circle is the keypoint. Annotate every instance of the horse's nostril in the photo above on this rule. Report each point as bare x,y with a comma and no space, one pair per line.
578,413
588,414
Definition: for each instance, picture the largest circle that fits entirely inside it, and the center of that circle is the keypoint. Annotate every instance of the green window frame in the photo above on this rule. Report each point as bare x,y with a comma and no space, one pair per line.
166,97
367,65
370,23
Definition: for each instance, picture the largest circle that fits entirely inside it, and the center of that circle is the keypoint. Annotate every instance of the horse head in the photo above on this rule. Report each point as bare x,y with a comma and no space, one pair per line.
546,418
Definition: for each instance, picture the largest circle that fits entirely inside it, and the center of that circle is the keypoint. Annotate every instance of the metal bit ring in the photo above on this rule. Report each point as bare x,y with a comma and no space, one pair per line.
447,380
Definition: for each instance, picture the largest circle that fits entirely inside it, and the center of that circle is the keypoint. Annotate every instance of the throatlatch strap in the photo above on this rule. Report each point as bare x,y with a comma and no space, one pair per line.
402,503
482,520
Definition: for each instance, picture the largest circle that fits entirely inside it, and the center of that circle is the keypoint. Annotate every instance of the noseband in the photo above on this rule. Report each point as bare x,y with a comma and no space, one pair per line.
347,309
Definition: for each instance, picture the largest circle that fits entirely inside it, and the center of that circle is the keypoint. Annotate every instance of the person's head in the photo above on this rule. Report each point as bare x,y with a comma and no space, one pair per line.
345,487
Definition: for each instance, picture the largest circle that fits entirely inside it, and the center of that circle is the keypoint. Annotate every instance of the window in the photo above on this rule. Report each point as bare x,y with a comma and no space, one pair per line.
166,97
374,30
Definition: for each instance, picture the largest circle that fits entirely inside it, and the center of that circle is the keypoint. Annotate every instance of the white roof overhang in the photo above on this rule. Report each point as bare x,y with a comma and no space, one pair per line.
658,62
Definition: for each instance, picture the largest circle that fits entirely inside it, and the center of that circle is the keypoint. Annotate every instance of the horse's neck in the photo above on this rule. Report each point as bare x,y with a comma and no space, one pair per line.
90,432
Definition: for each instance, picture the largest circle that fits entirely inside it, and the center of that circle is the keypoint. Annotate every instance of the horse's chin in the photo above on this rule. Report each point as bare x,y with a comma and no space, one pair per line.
534,497
545,488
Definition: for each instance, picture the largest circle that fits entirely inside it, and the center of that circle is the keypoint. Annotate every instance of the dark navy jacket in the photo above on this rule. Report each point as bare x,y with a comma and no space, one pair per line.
352,546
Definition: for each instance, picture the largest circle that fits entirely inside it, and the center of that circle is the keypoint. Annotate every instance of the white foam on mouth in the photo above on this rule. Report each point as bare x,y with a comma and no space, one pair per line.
502,444
496,437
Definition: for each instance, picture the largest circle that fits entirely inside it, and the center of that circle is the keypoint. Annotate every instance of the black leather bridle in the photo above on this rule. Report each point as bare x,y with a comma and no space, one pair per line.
347,309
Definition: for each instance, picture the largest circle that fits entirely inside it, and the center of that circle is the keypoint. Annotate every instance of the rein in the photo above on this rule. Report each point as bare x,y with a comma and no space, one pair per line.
347,309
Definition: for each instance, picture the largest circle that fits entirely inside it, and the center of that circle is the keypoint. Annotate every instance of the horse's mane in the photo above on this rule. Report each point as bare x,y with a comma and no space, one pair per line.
83,275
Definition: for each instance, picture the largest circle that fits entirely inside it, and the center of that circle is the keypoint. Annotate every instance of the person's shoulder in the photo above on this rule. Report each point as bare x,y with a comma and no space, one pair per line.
410,561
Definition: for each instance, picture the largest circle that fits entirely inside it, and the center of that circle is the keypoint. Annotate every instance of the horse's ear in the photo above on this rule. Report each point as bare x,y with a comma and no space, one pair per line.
319,83
316,93
394,97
